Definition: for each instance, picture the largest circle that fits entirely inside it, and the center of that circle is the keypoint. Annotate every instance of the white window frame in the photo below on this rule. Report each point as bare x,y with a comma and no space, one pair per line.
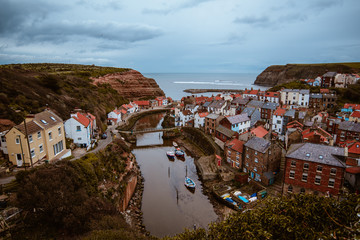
17,140
59,131
333,171
308,166
317,177
30,138
41,148
32,152
331,180
50,135
293,165
292,174
306,177
38,134
317,168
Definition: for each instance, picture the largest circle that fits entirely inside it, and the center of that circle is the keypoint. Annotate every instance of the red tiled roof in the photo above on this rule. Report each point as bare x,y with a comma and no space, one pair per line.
280,112
203,114
294,124
236,145
6,124
123,111
272,94
355,148
353,170
82,119
142,103
355,114
92,117
352,105
260,131
324,90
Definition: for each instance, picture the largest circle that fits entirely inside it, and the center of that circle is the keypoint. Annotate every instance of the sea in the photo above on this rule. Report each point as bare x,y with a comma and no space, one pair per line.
174,84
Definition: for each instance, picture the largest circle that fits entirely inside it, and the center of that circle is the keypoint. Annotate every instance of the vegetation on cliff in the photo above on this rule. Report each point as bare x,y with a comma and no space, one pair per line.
279,74
29,88
73,197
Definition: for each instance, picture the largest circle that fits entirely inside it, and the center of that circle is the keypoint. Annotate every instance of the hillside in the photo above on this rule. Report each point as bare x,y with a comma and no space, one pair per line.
279,74
29,88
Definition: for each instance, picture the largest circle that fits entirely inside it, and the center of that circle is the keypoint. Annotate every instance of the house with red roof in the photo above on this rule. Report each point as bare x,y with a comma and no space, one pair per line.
251,93
355,116
162,101
259,131
80,128
234,153
278,120
317,135
142,104
199,119
269,97
353,158
115,116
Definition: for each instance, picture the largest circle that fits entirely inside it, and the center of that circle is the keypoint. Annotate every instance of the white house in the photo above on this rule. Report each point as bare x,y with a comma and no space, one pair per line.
217,107
295,97
278,120
185,117
79,128
114,116
199,119
130,108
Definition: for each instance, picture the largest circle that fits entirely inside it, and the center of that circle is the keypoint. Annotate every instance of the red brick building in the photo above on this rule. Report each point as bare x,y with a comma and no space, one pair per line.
353,154
347,131
261,156
234,153
211,123
314,168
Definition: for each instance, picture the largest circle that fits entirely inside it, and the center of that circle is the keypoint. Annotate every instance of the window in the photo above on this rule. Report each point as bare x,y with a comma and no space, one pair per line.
331,182
321,157
319,168
17,140
3,139
41,148
308,155
43,121
229,152
290,188
32,152
38,134
255,152
293,163
292,174
59,130
247,164
333,171
317,180
78,128
50,136
304,177
256,160
306,166
58,147
52,118
247,155
255,169
30,138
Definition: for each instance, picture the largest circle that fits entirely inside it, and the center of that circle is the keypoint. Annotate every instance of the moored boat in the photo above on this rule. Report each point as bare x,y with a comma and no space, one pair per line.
175,145
189,183
179,152
170,154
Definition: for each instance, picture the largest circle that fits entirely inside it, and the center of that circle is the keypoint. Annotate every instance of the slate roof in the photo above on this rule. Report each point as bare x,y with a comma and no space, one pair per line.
253,114
240,101
217,104
212,116
258,144
31,127
206,104
255,103
290,113
238,118
349,126
330,74
317,153
227,132
50,118
316,95
270,105
301,91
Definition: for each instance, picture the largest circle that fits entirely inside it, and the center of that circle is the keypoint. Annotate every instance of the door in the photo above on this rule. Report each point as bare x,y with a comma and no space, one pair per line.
19,161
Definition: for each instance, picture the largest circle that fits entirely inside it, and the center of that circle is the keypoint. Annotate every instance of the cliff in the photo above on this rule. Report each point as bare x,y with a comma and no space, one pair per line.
29,88
131,84
279,74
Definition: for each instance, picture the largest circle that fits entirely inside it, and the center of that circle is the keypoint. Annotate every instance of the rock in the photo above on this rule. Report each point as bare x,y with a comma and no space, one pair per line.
131,84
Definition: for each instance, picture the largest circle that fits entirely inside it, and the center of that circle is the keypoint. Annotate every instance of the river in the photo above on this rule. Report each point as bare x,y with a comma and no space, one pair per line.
168,206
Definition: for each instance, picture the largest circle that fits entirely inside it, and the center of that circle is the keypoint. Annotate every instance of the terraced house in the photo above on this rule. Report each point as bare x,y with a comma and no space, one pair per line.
40,138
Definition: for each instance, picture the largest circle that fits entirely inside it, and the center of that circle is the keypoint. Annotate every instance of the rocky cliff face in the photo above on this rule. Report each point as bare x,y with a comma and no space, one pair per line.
131,84
279,74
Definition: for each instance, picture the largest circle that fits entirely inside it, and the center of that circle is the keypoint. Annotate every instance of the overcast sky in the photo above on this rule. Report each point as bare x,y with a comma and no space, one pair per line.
180,35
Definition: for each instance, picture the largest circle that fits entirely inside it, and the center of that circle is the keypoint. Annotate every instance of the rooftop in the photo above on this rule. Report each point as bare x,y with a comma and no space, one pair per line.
258,144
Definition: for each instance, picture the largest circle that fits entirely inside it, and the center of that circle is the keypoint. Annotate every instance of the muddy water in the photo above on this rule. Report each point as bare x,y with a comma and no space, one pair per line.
168,206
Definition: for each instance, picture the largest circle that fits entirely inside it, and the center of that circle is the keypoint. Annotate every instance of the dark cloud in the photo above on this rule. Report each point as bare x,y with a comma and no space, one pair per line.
65,31
16,14
263,21
320,5
168,10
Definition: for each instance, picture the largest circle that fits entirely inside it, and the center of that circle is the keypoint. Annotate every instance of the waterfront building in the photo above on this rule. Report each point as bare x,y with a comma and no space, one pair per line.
234,153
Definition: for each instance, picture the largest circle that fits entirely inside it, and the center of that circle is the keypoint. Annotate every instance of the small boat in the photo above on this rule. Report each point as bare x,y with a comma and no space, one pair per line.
179,152
189,183
170,154
175,145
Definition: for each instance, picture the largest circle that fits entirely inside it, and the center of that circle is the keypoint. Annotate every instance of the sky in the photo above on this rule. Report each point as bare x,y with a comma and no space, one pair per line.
180,36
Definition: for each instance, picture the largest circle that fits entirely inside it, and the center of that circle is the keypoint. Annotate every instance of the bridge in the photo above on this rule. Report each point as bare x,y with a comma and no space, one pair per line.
150,130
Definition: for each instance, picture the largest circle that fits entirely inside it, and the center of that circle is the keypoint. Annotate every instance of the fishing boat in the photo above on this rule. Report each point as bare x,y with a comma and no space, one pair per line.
189,183
170,154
